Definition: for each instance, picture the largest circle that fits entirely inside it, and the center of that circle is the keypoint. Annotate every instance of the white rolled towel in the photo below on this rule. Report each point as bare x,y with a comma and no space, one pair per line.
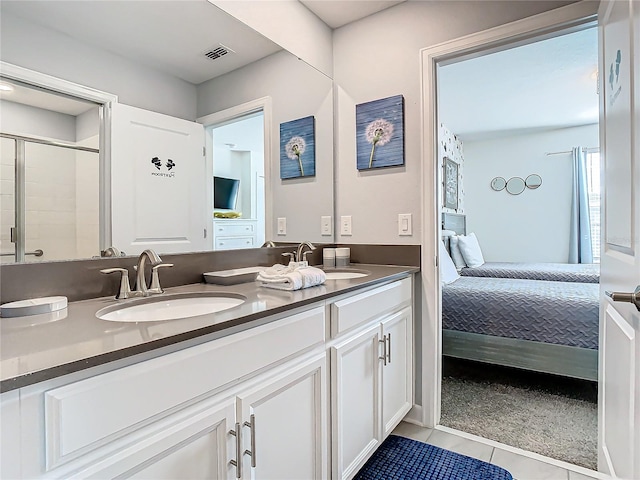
289,278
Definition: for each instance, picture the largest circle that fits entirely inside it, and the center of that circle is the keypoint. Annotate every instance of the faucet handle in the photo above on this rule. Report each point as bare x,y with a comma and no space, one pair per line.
292,256
125,289
155,278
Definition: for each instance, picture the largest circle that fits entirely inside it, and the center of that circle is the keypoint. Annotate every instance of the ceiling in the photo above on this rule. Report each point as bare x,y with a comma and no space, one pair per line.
337,13
544,84
170,36
547,84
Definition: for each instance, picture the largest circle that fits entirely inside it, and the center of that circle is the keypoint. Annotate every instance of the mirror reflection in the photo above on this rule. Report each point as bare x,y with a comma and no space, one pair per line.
173,75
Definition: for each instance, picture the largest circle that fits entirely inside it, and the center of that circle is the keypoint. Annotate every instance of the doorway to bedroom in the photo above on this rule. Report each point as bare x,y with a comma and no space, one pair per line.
519,176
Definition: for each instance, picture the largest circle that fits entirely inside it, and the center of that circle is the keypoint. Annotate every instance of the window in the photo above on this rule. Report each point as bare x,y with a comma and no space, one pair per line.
593,188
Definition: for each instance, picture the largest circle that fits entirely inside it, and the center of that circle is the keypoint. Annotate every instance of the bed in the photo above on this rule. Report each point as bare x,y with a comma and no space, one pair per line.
542,325
558,272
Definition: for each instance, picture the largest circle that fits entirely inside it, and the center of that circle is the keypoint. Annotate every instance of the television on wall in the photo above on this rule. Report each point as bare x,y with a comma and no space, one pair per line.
225,192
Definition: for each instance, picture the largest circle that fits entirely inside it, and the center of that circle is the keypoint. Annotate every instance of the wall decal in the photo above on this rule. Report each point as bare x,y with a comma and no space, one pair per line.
380,133
298,148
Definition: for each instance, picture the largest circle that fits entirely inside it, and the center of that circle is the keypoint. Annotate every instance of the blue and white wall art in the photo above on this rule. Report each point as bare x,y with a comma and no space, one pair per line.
380,133
298,148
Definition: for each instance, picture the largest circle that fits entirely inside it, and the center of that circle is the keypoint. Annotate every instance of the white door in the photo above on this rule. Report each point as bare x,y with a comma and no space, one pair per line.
619,361
397,378
194,443
355,392
158,182
284,426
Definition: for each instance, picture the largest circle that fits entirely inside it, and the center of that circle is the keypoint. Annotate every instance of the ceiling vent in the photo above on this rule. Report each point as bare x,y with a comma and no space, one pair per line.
217,52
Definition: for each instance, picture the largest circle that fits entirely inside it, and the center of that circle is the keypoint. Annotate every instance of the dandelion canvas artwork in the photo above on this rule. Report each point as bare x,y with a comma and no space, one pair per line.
380,133
298,148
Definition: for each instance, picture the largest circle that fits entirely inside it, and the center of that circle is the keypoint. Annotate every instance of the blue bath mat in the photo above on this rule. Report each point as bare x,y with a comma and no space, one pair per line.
400,458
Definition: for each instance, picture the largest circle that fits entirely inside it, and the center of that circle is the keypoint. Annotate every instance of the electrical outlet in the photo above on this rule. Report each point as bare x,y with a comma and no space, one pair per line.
345,225
404,224
325,225
282,226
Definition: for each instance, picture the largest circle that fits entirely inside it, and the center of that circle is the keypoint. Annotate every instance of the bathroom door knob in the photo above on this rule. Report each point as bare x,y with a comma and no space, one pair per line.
626,297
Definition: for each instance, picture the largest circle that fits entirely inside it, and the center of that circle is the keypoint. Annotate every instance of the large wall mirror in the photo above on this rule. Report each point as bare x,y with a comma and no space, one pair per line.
186,60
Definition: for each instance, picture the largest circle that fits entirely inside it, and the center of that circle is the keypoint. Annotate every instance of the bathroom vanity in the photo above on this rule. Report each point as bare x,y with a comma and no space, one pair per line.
300,385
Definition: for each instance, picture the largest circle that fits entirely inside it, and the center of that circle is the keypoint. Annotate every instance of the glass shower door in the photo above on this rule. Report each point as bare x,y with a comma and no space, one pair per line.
7,200
50,203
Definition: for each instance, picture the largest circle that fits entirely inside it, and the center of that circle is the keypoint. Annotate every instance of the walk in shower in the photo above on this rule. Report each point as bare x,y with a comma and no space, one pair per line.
49,175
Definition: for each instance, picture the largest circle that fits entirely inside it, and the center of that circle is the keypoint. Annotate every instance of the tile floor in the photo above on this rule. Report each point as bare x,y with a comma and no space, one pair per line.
522,465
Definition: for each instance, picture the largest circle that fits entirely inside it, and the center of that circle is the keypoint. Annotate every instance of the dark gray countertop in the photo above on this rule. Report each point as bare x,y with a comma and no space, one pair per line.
42,347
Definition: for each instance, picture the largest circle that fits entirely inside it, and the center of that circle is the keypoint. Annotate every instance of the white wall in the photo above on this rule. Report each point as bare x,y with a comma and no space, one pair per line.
377,57
532,226
22,119
244,161
297,90
289,24
38,48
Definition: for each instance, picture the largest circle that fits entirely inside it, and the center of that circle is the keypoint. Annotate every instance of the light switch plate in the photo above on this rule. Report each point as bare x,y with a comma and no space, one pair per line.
345,225
282,225
325,225
404,224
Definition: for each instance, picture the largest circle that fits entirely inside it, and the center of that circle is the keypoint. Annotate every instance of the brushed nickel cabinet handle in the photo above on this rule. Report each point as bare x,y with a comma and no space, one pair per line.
237,462
389,350
384,346
252,453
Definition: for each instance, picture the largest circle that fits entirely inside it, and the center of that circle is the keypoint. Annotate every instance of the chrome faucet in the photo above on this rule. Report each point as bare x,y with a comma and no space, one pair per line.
141,281
268,243
300,256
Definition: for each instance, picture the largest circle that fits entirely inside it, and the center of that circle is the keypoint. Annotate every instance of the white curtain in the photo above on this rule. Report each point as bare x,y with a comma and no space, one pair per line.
580,250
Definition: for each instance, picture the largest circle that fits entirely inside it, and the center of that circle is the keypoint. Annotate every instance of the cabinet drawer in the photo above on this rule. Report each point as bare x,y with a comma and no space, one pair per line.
226,243
359,309
86,415
234,229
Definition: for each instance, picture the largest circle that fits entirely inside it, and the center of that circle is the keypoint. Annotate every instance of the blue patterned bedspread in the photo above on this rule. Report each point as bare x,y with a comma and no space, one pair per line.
561,313
558,272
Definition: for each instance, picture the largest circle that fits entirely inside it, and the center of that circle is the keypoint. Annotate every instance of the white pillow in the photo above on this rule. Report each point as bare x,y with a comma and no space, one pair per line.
456,254
448,272
470,249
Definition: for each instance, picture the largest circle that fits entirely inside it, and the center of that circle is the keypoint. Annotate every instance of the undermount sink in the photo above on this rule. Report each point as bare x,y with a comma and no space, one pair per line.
170,307
345,274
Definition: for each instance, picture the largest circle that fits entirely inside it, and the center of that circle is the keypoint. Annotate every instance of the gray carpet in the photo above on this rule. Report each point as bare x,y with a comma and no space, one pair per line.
549,415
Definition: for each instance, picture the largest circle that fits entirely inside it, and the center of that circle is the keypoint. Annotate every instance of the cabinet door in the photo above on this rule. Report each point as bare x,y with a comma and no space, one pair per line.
194,443
355,397
9,435
285,425
397,374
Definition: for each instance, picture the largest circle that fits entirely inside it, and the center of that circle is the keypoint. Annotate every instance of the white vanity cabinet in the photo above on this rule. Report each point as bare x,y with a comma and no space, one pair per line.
305,394
371,372
284,425
234,233
165,416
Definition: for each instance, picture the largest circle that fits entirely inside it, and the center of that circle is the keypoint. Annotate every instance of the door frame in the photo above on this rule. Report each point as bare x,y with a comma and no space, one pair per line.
545,25
106,100
228,116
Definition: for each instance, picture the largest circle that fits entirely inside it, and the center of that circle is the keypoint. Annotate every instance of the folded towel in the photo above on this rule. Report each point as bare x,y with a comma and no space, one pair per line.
290,277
